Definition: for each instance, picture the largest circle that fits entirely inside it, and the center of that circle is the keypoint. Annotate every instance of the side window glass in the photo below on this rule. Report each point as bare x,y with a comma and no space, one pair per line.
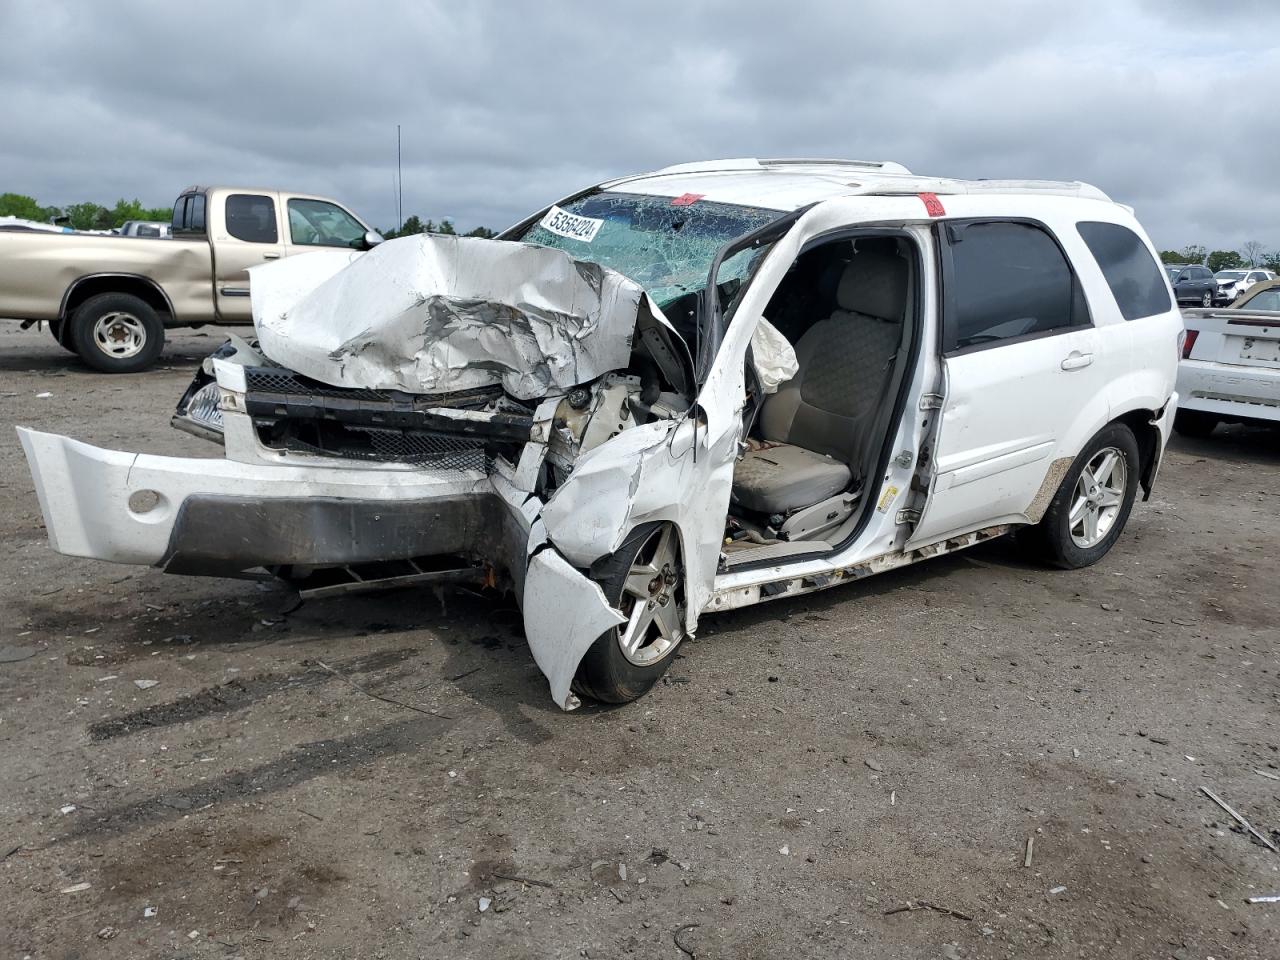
1130,270
195,213
252,218
1007,280
180,213
317,223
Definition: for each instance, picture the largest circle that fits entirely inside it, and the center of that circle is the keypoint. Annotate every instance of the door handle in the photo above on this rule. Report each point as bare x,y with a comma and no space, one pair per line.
1077,361
271,256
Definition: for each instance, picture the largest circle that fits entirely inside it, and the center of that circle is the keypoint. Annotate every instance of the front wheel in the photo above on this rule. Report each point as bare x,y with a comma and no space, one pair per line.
1089,511
117,333
644,579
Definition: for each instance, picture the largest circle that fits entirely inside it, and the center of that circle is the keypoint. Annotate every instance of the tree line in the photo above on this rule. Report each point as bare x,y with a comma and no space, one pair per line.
414,225
94,216
1250,254
80,216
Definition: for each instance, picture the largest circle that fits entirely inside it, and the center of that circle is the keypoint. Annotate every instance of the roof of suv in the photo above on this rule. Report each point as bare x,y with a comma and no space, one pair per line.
790,184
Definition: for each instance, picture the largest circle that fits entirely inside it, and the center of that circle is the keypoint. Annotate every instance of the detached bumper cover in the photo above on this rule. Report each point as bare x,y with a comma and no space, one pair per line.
222,517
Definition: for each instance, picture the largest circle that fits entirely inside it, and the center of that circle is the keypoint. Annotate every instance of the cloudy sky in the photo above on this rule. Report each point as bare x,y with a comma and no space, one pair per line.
1165,104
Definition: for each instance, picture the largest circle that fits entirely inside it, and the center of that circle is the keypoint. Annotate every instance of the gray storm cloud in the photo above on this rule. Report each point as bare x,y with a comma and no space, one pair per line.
505,108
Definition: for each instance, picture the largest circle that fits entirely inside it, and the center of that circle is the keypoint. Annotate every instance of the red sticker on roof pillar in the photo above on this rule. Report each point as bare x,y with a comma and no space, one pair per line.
932,205
687,199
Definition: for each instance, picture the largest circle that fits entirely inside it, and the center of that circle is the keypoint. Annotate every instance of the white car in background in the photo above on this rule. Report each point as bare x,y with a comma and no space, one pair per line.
664,396
1232,283
1230,369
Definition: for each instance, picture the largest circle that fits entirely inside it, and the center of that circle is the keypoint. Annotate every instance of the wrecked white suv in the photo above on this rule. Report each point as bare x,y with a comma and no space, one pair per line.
667,395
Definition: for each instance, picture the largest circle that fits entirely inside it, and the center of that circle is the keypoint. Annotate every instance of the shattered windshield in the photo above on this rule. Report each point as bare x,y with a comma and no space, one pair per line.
666,245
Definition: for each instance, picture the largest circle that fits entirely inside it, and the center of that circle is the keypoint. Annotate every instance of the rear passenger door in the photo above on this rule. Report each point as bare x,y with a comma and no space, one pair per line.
1020,359
249,234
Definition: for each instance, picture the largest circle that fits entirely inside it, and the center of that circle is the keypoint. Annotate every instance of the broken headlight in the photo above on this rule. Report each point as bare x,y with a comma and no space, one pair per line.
198,411
203,406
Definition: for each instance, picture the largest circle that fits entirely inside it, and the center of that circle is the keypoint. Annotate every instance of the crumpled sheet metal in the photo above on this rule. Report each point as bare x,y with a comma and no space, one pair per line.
564,614
629,480
433,314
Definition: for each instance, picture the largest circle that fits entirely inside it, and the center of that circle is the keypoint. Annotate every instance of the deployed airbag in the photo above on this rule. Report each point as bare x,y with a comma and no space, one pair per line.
434,314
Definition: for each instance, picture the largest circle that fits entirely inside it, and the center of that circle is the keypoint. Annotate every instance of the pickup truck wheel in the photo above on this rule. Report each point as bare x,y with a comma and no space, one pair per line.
1089,511
117,333
645,581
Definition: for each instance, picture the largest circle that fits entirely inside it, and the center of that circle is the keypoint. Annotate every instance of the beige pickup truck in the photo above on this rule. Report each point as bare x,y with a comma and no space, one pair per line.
110,298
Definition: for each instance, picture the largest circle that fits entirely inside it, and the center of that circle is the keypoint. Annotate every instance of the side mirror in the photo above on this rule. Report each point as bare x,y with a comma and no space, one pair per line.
372,238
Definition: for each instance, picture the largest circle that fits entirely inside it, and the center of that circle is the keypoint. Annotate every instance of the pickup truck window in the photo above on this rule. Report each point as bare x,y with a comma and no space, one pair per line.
1007,280
1128,267
188,213
316,223
251,217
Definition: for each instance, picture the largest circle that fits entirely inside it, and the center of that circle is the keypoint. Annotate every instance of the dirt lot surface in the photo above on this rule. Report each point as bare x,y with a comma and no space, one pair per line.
808,766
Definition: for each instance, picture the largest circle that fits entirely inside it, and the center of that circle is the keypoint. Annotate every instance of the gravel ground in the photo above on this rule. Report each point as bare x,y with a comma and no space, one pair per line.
807,767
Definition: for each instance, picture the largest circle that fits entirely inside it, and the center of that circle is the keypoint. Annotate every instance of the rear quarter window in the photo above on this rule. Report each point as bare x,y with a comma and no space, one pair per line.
251,217
1130,271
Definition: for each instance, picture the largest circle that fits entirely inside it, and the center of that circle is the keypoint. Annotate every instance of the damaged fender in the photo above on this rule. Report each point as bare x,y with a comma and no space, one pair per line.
564,614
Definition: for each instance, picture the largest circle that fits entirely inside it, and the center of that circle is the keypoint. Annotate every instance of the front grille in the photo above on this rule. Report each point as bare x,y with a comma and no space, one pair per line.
294,413
390,446
286,383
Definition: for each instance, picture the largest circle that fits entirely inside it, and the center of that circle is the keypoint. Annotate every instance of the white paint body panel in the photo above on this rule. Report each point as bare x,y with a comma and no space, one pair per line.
1234,368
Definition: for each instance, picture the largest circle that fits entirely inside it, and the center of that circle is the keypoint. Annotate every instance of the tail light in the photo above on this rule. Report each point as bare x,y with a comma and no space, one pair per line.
1188,338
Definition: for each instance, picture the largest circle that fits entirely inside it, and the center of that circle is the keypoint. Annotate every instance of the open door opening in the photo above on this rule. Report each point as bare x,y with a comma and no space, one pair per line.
848,308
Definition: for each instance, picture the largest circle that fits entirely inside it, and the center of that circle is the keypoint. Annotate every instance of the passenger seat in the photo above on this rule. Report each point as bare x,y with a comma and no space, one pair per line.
819,422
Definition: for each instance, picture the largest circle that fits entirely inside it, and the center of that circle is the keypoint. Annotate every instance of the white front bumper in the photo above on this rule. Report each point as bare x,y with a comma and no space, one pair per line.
85,495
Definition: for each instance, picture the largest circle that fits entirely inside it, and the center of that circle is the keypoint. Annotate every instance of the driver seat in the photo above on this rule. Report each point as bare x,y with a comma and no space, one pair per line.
820,421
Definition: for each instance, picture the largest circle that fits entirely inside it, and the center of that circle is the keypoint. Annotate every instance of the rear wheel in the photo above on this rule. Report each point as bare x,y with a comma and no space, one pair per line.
644,579
1194,423
1089,511
117,333
1207,299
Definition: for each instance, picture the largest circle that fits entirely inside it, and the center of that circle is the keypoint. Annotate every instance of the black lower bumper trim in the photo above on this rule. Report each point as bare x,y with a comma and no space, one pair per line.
231,536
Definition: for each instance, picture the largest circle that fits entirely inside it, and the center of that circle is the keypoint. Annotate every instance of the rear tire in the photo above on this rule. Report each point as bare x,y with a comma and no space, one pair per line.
1089,511
1207,299
645,580
117,333
1194,423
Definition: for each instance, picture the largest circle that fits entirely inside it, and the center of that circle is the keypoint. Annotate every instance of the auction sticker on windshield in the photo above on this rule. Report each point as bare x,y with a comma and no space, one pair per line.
571,225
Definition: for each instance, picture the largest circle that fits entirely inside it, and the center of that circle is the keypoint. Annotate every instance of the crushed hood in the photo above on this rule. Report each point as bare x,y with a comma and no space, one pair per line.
434,314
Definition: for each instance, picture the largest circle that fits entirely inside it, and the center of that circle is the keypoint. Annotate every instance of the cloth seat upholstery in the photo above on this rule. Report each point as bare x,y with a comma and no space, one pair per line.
819,423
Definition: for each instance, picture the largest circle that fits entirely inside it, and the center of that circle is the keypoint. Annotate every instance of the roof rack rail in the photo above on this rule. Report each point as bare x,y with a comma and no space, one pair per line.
751,164
950,187
879,166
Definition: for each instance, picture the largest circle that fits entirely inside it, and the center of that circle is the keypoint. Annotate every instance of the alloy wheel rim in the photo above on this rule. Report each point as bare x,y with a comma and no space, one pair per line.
120,335
652,601
1098,497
